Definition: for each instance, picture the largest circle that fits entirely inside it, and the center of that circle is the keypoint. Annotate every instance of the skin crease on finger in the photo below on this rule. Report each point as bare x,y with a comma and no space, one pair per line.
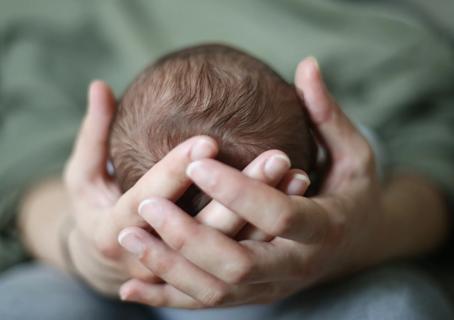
221,218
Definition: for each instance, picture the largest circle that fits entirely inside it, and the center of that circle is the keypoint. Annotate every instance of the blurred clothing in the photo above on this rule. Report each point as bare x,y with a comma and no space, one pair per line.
400,292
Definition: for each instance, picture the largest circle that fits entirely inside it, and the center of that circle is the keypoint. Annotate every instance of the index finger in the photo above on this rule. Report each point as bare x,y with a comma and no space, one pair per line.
269,167
166,179
268,209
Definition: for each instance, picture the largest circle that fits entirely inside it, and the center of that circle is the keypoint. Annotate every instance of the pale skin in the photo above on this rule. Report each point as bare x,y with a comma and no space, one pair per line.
291,242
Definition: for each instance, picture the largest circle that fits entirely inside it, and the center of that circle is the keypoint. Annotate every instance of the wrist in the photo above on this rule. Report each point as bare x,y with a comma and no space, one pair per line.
40,215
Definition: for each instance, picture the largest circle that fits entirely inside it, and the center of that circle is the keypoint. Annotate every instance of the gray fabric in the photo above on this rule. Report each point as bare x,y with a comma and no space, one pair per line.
33,291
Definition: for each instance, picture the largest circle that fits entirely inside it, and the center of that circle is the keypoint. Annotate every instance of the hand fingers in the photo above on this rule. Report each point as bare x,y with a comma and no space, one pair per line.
89,158
336,130
167,296
205,247
269,167
266,208
295,182
166,179
87,262
158,295
210,250
172,267
137,270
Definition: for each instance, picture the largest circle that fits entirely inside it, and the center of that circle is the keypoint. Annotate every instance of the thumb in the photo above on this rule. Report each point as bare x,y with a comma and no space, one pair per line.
337,131
91,148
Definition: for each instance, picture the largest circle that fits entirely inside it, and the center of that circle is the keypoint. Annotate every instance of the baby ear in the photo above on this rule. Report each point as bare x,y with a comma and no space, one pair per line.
110,169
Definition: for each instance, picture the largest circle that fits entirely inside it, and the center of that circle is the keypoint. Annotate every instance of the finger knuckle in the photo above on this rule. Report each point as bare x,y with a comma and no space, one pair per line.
179,241
214,183
239,270
337,229
284,221
108,249
214,297
181,235
365,158
122,216
159,300
138,271
359,162
160,266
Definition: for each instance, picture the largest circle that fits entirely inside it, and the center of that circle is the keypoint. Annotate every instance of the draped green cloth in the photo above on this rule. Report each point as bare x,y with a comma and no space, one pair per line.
390,64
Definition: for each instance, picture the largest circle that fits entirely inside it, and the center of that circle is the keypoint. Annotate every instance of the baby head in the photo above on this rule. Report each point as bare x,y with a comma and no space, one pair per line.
213,90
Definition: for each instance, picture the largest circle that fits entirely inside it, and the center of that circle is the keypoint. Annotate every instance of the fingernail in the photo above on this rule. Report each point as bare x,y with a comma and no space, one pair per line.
202,149
199,174
151,211
131,242
123,294
314,62
298,185
276,166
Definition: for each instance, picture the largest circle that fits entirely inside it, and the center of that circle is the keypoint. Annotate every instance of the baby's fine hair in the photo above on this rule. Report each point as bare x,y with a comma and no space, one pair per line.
215,90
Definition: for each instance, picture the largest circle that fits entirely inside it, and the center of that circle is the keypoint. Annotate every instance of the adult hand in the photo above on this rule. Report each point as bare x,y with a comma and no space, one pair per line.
315,239
99,209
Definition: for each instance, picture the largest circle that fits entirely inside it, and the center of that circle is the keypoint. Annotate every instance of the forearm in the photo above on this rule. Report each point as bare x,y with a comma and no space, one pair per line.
416,217
41,215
